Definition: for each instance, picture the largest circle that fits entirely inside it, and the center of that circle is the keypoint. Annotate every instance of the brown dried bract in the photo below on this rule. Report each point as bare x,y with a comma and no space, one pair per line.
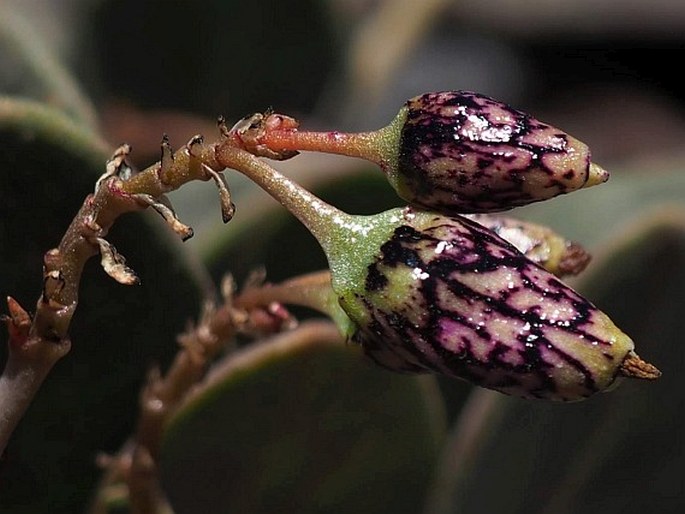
634,367
251,130
574,260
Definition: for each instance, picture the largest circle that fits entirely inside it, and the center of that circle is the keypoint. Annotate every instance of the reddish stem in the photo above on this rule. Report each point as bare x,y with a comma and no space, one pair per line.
342,143
378,146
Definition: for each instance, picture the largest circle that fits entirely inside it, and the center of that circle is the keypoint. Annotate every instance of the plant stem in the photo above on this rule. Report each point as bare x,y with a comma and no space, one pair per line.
379,146
349,242
321,219
138,461
30,359
36,344
352,144
312,290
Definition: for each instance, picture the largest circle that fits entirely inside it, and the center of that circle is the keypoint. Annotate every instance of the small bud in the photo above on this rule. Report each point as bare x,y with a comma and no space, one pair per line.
251,130
538,243
464,152
18,323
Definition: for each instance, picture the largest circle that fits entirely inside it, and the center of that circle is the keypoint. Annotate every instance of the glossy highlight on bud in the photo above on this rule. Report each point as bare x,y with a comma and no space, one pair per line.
463,152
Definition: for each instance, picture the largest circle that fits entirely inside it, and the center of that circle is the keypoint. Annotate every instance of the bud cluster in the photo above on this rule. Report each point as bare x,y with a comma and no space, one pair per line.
435,287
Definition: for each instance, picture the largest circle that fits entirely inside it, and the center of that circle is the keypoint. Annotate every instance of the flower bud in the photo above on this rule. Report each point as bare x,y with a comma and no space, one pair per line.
538,243
462,152
447,295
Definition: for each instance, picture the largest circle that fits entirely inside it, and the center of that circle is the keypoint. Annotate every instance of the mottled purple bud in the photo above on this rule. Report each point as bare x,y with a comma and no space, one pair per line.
463,152
444,294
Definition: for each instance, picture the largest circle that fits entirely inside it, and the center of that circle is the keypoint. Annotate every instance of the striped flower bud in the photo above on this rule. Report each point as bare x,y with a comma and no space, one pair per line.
447,295
462,152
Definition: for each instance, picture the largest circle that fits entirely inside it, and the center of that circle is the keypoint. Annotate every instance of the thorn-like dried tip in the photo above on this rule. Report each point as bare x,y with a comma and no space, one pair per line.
122,151
53,283
634,367
227,205
194,145
163,206
223,128
227,212
18,315
167,159
574,260
188,233
116,165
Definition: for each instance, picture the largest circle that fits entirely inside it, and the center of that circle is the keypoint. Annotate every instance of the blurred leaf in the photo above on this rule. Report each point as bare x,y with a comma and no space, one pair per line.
30,69
616,452
592,216
225,56
478,423
48,165
383,42
303,424
584,18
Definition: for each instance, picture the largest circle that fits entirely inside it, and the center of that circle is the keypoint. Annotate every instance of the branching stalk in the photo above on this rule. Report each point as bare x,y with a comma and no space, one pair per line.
37,343
249,313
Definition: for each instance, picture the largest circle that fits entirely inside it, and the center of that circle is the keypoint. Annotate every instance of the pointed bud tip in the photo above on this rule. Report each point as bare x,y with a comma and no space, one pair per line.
634,367
596,175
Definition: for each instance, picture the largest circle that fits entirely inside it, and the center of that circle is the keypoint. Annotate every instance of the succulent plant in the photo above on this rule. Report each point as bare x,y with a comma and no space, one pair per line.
301,422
